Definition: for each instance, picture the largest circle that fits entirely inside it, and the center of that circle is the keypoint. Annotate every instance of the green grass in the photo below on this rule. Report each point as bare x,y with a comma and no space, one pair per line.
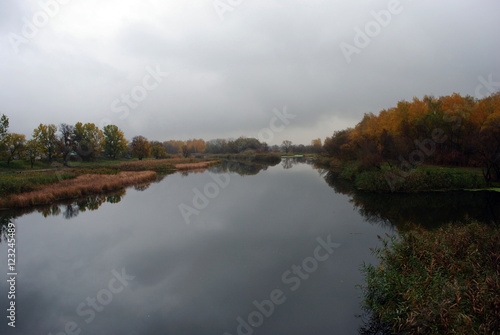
420,179
23,165
437,282
19,183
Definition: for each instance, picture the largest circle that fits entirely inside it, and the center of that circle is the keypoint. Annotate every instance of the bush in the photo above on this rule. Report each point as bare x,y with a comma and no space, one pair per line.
417,180
437,282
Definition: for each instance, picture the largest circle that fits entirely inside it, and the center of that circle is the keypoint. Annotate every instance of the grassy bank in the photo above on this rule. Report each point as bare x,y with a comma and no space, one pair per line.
445,281
77,187
163,165
20,183
419,179
24,187
252,157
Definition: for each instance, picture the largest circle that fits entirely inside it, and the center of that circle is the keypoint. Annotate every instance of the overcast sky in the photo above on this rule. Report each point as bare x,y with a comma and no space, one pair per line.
233,64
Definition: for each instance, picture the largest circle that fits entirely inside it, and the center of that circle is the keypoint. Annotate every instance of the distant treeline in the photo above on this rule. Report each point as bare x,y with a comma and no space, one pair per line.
449,130
88,142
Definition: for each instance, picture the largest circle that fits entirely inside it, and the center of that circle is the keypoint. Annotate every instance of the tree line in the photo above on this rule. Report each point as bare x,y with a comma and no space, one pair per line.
449,130
87,142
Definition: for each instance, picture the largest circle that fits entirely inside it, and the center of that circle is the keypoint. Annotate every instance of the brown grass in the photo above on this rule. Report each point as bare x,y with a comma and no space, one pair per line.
194,166
163,165
74,188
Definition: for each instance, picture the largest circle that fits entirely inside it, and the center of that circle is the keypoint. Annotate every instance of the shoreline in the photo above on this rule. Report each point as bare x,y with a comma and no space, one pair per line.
48,186
421,179
83,185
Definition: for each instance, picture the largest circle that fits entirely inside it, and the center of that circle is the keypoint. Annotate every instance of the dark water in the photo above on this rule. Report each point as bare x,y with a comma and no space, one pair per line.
235,250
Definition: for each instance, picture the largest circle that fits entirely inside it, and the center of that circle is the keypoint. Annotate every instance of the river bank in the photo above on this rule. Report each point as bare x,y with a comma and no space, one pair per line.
24,188
443,281
386,178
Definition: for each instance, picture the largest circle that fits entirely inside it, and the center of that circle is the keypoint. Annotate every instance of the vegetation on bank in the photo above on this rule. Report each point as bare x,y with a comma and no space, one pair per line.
21,183
437,282
423,178
450,131
82,185
253,157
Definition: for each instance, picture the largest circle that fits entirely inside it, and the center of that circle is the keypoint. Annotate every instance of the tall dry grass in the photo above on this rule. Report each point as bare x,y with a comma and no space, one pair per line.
194,166
75,188
164,165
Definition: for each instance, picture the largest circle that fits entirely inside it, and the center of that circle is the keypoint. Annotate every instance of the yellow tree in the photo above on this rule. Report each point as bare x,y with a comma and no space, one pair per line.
158,150
316,145
114,141
32,151
140,147
15,145
46,137
89,140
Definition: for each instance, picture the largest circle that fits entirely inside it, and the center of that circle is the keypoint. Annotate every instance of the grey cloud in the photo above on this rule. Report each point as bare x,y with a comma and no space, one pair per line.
227,76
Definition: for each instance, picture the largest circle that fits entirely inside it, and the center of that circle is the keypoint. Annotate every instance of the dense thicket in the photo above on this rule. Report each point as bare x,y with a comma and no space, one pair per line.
450,130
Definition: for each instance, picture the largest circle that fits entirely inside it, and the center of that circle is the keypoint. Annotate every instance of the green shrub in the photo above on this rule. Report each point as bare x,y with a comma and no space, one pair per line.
437,282
417,180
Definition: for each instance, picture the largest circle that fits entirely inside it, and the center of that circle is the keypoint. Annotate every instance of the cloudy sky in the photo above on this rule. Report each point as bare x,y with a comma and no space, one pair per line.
180,69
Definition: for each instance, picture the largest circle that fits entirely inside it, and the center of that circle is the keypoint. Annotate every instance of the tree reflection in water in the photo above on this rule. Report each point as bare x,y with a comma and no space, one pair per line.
429,209
68,209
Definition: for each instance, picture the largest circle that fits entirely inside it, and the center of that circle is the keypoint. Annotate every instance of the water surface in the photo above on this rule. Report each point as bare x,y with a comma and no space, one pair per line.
135,264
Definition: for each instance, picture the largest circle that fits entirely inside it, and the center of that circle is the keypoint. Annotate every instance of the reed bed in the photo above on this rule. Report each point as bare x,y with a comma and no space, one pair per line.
445,281
163,165
194,166
80,186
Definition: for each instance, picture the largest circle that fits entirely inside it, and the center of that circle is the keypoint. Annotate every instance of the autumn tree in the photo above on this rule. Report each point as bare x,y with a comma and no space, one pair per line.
287,145
46,137
114,141
196,145
15,145
316,145
140,147
66,141
158,150
4,128
216,146
186,152
89,140
173,147
32,151
489,147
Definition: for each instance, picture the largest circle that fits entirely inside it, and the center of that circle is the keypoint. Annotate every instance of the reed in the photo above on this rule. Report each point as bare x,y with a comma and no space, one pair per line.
445,281
163,165
80,186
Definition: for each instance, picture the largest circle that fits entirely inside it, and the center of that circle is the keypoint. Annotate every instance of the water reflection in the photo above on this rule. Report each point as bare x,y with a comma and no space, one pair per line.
241,168
4,223
429,209
68,209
